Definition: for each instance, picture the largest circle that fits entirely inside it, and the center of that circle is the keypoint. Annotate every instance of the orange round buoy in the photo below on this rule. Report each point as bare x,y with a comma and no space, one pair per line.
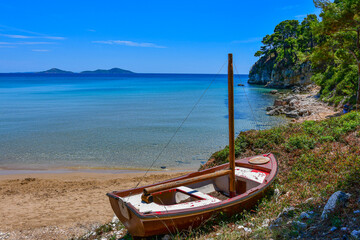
259,160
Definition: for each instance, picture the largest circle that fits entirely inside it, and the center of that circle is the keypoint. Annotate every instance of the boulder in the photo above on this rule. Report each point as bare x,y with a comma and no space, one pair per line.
293,102
288,99
338,199
304,112
273,112
279,102
289,108
292,114
270,108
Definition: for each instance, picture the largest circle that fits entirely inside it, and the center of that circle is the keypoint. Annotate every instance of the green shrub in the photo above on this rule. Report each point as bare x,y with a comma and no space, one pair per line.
299,142
313,128
241,143
261,142
326,139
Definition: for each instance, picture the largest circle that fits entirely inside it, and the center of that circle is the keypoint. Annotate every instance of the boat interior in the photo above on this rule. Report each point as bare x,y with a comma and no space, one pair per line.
198,194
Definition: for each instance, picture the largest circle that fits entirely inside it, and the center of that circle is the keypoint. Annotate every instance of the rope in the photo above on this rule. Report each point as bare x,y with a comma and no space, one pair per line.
247,99
177,130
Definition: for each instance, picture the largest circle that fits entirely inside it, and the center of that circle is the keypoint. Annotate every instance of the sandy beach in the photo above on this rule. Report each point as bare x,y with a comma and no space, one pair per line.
61,205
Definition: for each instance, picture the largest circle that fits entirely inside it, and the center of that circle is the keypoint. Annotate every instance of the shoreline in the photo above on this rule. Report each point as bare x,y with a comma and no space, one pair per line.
63,205
67,202
103,170
302,105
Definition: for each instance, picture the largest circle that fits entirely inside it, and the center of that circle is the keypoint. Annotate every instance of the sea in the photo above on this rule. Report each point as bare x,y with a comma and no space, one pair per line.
135,121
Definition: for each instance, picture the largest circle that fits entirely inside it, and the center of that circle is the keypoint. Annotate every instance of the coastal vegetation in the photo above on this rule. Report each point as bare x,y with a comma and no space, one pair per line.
316,159
325,51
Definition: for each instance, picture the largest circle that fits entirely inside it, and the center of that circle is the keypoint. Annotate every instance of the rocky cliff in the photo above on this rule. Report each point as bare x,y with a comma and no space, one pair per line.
263,72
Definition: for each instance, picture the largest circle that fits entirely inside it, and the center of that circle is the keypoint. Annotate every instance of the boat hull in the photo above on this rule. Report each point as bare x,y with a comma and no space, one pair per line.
143,225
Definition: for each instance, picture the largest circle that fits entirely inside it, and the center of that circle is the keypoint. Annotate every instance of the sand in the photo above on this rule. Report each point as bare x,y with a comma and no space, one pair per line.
61,205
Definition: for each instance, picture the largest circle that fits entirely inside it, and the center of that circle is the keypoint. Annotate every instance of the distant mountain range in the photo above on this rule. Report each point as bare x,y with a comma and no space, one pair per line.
99,71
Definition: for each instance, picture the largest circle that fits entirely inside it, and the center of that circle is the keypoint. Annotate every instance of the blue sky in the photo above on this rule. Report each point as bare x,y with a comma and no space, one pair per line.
142,36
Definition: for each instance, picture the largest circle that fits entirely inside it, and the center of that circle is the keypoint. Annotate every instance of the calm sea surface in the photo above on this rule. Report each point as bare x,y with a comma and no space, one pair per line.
121,121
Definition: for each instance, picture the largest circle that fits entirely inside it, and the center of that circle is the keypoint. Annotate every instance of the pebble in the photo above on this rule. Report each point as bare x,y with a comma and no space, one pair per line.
278,220
356,211
300,225
115,219
245,229
272,226
265,223
344,229
333,229
166,237
4,235
286,211
355,233
277,193
304,215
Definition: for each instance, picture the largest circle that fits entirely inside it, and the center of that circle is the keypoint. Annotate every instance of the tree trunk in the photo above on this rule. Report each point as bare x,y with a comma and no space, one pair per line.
358,90
358,62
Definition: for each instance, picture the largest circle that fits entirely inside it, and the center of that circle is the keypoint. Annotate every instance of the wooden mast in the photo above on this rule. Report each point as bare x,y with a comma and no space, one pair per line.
232,179
147,197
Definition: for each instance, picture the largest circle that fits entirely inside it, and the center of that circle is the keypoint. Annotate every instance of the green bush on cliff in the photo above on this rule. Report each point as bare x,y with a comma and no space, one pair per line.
331,45
287,48
336,60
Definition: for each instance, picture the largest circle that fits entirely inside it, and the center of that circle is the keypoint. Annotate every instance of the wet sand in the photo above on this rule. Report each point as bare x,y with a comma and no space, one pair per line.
62,205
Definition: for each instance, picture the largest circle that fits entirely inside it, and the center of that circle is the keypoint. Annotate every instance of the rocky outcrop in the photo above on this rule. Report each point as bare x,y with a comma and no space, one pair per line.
263,72
300,105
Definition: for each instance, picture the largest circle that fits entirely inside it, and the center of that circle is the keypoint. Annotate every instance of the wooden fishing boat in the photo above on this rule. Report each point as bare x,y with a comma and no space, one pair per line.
189,200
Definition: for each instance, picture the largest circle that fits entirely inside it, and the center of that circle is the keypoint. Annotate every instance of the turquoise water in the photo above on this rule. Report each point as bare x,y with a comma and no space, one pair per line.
120,121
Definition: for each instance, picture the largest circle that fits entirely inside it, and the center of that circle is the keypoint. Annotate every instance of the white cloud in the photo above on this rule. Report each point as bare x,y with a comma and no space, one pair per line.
129,43
40,50
25,37
290,7
14,36
249,40
25,43
52,37
2,46
300,16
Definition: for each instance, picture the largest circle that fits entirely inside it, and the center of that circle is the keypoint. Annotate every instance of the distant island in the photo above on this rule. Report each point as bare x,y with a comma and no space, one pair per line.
110,71
98,71
56,71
